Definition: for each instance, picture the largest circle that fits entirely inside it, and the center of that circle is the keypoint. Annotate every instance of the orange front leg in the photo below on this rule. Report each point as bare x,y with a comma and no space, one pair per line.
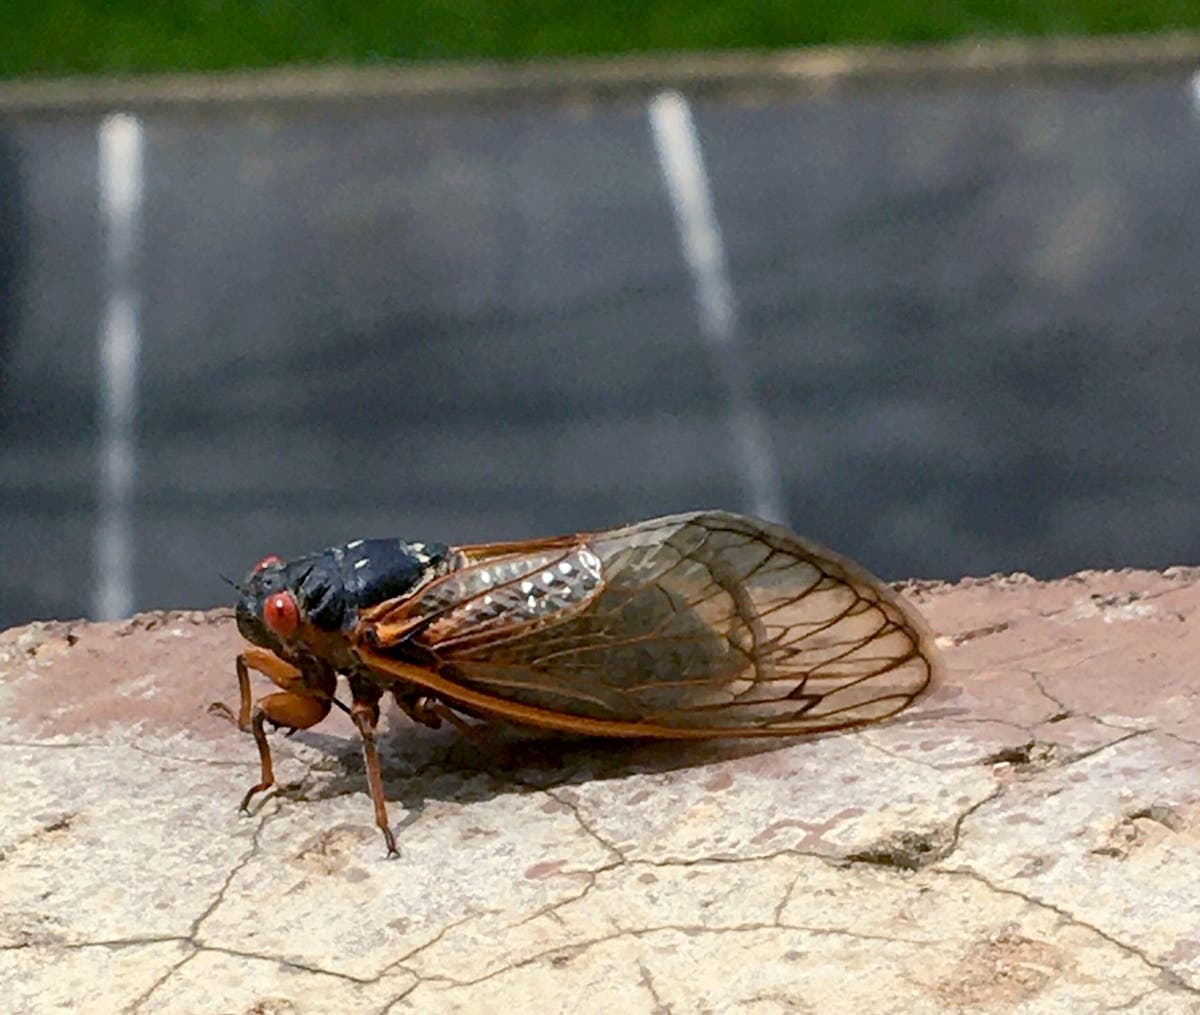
285,708
279,671
301,704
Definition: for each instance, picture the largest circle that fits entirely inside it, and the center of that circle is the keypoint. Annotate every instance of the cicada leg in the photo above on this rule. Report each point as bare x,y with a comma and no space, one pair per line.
364,710
432,712
297,707
279,671
284,708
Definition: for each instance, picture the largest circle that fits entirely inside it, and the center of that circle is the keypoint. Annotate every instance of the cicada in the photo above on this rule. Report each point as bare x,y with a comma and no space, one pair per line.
697,625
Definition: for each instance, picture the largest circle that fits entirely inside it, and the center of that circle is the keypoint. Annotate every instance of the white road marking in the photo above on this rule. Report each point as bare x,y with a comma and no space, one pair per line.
682,165
121,143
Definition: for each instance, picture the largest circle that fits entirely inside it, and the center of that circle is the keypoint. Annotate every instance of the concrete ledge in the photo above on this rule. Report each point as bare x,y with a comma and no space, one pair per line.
1028,838
745,75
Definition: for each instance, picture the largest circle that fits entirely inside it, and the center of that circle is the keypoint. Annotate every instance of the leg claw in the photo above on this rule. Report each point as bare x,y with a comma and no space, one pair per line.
223,711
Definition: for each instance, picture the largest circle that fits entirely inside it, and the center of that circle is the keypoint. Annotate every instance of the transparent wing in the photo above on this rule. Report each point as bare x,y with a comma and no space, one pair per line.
697,624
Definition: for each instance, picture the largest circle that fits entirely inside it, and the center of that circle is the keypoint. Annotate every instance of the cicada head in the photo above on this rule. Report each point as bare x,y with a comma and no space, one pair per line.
303,605
266,583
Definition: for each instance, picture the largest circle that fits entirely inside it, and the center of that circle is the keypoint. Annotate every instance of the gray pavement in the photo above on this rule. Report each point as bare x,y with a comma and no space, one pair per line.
970,317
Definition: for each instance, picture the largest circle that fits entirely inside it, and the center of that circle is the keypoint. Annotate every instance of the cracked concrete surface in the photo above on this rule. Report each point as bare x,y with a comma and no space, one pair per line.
1025,839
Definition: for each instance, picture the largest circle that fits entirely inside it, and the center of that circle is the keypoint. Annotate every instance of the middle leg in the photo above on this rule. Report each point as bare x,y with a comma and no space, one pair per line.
364,710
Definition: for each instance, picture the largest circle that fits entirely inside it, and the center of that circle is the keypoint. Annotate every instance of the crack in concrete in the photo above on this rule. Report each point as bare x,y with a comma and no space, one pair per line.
786,898
1176,737
209,762
1014,662
901,757
1067,710
733,861
974,633
1091,752
1061,706
417,981
1183,582
983,720
833,859
303,967
192,937
971,763
236,869
913,851
197,946
170,971
412,953
573,807
1026,731
127,745
593,877
776,923
565,953
956,837
40,744
620,859
1132,1003
1172,979
1056,757
647,981
1075,665
131,942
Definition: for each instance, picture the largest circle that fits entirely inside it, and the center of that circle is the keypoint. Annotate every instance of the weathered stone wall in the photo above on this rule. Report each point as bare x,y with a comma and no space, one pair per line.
1025,839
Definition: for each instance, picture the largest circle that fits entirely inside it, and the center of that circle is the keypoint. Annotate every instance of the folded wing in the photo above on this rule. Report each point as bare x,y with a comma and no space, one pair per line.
702,624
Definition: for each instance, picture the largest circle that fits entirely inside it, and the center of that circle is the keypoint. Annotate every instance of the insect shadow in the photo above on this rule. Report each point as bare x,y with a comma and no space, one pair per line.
420,765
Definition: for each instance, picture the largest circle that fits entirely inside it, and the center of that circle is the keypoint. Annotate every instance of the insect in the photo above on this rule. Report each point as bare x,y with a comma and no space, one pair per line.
697,625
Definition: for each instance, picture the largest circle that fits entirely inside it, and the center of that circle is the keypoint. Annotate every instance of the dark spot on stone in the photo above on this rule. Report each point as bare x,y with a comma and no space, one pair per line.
545,869
980,632
475,832
908,850
1031,755
1010,755
720,781
1161,814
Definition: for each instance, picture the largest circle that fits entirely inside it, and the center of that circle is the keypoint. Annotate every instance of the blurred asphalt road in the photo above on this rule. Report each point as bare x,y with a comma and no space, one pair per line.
970,316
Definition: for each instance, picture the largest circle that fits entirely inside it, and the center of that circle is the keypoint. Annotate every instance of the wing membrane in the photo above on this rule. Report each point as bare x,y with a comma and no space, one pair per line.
704,624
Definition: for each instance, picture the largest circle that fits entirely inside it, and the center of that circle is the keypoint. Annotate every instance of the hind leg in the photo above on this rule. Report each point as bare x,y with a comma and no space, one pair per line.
431,712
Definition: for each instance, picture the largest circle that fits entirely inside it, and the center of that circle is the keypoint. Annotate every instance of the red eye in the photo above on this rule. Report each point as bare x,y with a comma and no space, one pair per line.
270,560
281,614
